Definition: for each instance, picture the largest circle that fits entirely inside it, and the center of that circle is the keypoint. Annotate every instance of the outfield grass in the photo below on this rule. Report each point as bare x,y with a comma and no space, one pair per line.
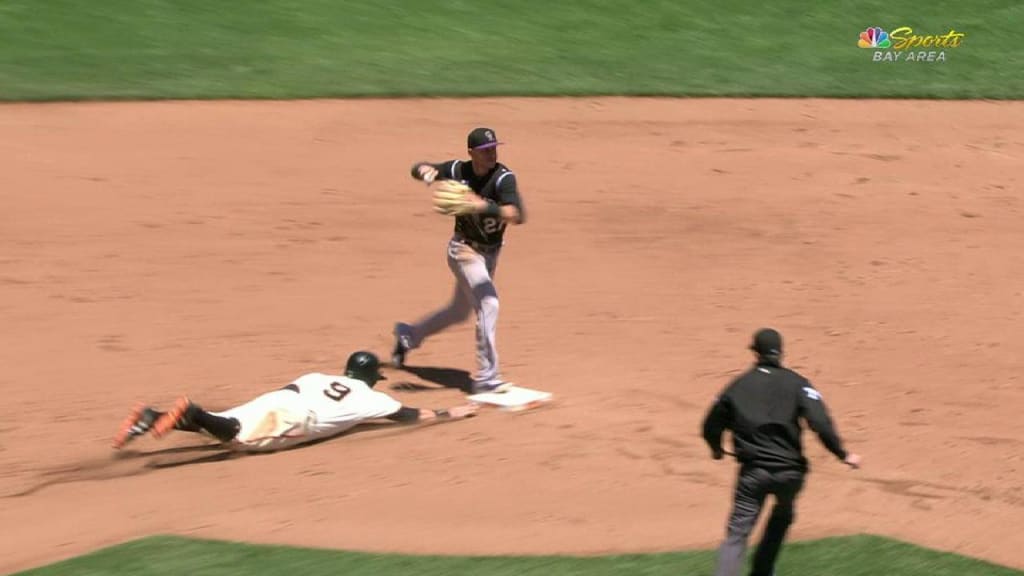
135,49
174,556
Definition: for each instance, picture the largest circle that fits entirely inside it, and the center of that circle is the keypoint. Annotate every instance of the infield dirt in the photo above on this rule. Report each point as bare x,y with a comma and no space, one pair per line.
221,249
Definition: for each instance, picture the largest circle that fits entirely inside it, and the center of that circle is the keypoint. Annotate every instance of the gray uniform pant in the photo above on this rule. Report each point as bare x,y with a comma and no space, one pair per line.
752,486
474,292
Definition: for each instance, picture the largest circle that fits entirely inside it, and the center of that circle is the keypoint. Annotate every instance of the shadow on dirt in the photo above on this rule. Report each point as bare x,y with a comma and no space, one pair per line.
445,377
131,462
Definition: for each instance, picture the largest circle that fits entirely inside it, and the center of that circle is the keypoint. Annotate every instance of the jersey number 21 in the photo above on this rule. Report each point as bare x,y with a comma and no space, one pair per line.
492,225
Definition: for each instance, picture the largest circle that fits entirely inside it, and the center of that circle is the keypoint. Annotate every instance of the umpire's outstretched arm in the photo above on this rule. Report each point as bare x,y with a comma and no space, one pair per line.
814,411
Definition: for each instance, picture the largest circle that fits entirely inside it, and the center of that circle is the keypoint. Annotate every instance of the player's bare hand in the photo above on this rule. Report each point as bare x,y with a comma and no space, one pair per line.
479,204
853,461
428,174
464,411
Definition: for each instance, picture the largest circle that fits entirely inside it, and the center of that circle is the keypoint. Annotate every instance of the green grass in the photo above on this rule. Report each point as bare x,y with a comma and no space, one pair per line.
140,49
174,556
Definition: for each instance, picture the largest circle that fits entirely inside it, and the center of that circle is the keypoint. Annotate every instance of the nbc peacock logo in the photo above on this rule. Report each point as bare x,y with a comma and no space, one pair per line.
874,37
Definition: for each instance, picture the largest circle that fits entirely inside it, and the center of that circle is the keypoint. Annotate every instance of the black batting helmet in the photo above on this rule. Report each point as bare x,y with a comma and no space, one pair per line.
364,366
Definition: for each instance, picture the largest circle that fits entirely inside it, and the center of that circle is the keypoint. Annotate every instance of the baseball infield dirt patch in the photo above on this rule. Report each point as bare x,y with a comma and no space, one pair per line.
221,249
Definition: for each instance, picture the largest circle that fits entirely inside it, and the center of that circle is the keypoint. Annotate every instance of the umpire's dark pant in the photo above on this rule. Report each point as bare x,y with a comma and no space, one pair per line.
752,486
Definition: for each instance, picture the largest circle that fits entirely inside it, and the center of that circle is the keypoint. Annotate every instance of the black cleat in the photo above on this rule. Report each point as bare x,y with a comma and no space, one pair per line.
400,350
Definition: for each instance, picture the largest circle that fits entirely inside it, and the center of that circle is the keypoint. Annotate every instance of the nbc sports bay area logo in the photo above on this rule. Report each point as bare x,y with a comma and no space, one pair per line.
904,45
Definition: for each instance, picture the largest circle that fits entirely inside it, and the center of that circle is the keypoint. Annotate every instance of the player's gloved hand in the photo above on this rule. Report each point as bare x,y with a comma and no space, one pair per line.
453,198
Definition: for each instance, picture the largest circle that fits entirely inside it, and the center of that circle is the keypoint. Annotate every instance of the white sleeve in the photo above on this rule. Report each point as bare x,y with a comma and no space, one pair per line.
378,405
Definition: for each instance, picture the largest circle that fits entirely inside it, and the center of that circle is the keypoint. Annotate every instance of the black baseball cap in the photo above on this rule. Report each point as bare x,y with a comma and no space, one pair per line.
482,138
767,342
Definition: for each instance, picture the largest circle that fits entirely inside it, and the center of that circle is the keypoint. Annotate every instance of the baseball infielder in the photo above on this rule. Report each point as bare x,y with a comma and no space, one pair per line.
312,407
482,195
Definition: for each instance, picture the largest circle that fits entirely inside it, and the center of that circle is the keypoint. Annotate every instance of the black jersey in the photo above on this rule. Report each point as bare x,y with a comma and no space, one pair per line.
763,408
498,186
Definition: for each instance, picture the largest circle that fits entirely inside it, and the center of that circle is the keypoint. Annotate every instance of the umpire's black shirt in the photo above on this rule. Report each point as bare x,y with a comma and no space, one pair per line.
762,407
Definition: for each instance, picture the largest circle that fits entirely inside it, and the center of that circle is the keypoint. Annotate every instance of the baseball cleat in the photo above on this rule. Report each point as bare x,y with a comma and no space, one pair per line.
172,417
495,387
401,348
138,422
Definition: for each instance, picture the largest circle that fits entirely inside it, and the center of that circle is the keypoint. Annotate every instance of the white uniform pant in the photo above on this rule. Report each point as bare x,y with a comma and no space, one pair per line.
275,421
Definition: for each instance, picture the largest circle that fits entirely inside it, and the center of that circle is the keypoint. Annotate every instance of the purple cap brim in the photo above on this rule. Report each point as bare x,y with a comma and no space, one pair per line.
487,145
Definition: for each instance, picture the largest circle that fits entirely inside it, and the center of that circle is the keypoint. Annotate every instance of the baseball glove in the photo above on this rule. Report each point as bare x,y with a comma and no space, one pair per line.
453,198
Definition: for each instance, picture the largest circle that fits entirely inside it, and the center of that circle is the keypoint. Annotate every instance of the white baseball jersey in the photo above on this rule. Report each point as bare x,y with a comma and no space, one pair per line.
312,407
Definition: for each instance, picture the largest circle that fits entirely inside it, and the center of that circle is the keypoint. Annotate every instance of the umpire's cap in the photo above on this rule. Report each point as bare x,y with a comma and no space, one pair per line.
767,343
482,138
364,366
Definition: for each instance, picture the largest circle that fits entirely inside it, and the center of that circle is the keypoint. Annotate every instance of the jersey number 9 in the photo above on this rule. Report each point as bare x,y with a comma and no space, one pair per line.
337,391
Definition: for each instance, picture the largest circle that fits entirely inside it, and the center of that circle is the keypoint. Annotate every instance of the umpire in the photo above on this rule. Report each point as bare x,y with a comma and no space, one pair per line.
762,408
